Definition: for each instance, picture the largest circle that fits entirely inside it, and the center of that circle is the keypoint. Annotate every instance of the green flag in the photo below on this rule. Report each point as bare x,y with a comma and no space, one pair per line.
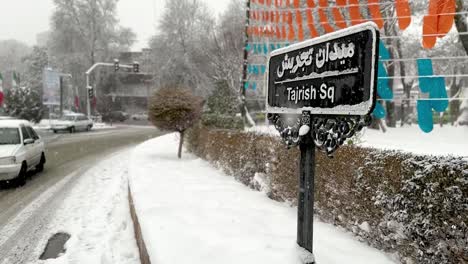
16,80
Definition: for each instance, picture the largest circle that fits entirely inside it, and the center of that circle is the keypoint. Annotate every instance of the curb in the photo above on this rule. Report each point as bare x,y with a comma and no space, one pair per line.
144,257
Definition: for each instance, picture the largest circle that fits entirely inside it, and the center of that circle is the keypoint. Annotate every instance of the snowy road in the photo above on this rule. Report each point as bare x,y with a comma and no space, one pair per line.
25,212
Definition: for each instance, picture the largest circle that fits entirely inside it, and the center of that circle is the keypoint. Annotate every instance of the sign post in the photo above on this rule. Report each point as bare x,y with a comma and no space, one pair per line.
329,83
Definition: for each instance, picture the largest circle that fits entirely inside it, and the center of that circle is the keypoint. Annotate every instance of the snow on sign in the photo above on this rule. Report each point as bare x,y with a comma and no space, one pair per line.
331,75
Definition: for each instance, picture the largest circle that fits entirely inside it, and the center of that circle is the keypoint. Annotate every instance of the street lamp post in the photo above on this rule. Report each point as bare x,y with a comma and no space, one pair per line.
134,67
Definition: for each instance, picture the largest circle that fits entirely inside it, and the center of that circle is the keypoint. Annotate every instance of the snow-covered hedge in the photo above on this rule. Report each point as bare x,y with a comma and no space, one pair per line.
414,206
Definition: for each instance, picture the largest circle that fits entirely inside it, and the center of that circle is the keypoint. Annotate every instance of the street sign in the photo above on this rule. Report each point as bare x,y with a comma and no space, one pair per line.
51,87
330,75
330,81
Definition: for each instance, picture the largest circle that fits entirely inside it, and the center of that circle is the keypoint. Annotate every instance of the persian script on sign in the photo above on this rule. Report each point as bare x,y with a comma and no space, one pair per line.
334,74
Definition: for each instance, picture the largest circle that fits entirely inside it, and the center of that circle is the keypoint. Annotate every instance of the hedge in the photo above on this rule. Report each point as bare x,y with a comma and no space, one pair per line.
413,206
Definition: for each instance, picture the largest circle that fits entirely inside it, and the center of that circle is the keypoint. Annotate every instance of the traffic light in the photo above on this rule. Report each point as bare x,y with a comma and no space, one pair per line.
116,65
90,92
136,67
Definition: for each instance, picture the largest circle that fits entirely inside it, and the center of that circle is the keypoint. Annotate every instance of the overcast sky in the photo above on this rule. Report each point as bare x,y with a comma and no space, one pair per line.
24,19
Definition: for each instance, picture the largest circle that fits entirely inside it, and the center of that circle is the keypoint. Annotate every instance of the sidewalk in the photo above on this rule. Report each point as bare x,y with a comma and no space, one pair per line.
192,213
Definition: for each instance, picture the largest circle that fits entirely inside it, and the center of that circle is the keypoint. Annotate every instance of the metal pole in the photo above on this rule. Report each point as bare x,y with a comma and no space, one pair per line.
61,96
305,218
244,69
88,72
88,103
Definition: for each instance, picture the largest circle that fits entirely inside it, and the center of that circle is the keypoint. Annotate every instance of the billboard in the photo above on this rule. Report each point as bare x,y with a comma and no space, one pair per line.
51,87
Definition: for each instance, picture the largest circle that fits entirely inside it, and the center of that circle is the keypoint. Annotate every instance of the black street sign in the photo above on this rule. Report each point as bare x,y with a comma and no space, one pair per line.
330,75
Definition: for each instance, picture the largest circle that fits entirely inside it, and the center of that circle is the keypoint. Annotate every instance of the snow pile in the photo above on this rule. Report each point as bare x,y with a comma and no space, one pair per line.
98,126
45,124
263,130
96,215
447,140
191,212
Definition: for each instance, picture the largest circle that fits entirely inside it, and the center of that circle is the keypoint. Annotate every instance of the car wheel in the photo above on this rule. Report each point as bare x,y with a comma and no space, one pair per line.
72,129
21,179
55,131
40,166
88,128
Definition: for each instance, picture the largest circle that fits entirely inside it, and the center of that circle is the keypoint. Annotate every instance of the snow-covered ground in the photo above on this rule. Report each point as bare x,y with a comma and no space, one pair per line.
96,215
447,140
45,124
192,213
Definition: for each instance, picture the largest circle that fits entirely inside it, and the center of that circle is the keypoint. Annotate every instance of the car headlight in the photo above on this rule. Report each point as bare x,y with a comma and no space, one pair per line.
7,160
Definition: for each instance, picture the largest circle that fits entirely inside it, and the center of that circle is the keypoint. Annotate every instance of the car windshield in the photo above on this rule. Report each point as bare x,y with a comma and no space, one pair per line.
68,118
9,136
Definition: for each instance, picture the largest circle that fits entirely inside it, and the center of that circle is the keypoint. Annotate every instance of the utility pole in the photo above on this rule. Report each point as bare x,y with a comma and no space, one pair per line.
244,66
61,95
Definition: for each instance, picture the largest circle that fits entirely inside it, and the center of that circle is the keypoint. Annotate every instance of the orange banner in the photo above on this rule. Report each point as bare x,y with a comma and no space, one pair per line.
291,32
300,28
374,9
430,22
445,10
296,3
339,19
323,4
283,28
310,3
403,12
310,24
283,32
354,12
278,32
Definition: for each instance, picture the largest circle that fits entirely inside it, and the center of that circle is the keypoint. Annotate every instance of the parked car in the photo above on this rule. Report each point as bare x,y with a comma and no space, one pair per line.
21,150
97,118
72,123
115,116
139,116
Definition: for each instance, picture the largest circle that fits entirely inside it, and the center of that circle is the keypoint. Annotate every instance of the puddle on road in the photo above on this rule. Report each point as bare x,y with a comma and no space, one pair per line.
55,246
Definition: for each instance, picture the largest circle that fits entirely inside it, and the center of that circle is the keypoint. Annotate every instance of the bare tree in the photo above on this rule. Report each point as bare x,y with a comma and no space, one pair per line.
84,32
461,22
11,53
180,52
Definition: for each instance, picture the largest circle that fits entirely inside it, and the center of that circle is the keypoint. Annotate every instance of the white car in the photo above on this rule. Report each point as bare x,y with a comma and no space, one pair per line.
72,123
21,150
139,116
